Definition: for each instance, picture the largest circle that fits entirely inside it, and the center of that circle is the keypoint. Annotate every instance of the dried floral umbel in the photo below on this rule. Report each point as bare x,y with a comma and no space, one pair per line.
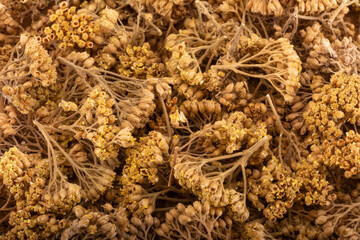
97,124
187,221
7,119
8,25
333,220
279,8
191,169
145,159
255,230
30,81
336,104
71,28
139,62
278,185
265,7
93,178
339,154
26,176
90,222
329,54
277,58
23,10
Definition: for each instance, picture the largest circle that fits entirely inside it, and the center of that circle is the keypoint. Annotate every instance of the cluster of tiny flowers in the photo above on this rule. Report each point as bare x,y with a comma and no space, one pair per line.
278,7
7,121
172,10
342,153
144,159
197,109
253,230
32,97
41,64
329,54
265,7
30,94
107,137
277,185
337,102
139,62
183,65
232,134
12,166
5,52
7,23
276,58
211,191
299,226
89,222
25,176
136,114
318,6
195,218
62,201
71,28
315,189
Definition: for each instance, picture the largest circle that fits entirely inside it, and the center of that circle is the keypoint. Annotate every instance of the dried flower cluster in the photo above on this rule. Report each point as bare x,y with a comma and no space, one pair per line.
187,222
179,119
71,28
336,104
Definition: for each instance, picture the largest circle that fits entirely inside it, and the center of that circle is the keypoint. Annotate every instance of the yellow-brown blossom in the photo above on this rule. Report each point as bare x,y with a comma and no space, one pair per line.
144,160
336,104
71,28
278,186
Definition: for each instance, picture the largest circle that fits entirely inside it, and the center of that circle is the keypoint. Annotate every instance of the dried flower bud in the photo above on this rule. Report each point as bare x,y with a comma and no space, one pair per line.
321,219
